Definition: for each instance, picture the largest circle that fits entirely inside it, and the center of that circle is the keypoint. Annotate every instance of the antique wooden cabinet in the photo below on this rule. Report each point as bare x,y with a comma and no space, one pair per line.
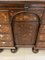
22,24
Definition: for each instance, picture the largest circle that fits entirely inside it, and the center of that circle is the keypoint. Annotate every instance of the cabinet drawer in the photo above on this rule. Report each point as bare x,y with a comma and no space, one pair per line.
6,37
41,34
4,17
40,45
6,44
5,28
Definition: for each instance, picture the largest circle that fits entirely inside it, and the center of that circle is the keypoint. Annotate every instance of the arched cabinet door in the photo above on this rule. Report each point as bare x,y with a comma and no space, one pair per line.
25,26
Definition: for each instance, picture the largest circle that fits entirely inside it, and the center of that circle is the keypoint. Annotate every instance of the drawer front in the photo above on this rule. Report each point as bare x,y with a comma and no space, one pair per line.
6,44
4,17
25,32
5,28
41,34
40,45
6,37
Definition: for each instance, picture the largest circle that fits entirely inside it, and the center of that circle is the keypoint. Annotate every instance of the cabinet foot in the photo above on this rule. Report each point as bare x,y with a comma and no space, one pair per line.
1,50
35,50
14,50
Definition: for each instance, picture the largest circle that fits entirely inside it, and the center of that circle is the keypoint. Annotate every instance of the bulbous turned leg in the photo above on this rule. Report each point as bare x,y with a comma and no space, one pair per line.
35,50
14,50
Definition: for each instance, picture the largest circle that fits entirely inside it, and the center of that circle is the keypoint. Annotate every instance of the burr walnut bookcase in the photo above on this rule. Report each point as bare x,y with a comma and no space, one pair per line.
22,24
